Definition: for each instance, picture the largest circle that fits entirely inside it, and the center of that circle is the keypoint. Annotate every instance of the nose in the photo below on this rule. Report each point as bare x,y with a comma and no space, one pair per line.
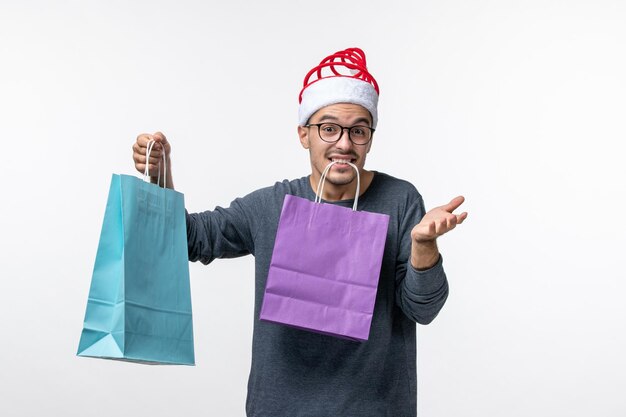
344,141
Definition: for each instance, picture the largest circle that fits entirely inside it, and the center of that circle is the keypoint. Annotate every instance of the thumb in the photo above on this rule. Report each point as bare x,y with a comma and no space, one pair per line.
159,138
161,143
453,204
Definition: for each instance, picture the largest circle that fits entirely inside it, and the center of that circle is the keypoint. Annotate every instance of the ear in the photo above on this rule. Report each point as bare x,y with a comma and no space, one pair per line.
303,134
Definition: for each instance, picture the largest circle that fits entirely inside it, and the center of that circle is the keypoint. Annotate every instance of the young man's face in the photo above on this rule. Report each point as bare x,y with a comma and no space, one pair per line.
322,153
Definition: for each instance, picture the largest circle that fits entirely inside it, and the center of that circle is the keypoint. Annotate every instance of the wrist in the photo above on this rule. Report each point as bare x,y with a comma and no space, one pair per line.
424,254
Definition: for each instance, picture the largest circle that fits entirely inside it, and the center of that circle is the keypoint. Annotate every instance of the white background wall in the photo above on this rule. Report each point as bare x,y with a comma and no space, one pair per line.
519,106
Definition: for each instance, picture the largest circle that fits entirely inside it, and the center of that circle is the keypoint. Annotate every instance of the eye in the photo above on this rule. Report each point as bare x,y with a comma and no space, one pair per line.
358,131
329,128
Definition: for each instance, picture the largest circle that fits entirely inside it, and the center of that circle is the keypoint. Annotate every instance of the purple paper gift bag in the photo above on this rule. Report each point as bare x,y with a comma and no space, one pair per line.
325,267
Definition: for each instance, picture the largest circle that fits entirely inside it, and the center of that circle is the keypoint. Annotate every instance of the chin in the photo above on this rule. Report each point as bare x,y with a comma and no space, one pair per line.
341,179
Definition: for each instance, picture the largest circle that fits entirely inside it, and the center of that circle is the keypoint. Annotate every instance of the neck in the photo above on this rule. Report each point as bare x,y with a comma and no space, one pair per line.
333,192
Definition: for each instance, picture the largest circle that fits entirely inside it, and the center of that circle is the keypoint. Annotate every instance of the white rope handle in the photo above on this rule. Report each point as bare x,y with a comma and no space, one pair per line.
320,186
146,173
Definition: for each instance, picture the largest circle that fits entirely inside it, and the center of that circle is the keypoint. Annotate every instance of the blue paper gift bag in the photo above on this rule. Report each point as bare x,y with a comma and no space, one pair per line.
139,306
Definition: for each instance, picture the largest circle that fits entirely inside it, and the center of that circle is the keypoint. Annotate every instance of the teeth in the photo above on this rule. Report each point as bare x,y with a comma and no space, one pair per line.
341,161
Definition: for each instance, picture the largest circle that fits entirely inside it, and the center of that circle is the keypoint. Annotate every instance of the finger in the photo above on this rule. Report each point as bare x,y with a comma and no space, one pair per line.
461,217
140,167
453,204
143,144
161,142
140,149
159,137
143,140
427,231
442,226
432,229
424,231
451,221
141,159
153,169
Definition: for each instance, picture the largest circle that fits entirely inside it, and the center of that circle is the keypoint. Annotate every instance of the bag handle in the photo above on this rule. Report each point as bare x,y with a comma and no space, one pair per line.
320,186
146,173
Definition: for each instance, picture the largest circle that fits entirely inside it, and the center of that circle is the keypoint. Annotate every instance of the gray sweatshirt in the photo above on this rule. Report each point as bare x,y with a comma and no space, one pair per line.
296,373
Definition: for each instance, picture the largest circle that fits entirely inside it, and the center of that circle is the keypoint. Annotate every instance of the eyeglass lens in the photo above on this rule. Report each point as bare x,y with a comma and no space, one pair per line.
331,132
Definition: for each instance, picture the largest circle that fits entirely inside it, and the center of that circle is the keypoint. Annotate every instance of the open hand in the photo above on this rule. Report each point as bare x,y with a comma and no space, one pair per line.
438,221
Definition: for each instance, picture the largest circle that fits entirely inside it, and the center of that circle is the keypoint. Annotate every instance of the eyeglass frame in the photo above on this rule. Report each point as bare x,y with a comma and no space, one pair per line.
341,134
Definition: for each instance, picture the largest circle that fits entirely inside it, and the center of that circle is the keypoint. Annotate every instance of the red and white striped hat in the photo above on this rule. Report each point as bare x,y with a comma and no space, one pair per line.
339,78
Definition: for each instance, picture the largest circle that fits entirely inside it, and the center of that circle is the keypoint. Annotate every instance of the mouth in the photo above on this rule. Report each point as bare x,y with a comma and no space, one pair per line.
342,161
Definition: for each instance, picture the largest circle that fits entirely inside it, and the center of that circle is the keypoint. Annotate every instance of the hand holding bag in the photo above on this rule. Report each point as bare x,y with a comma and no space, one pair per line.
139,306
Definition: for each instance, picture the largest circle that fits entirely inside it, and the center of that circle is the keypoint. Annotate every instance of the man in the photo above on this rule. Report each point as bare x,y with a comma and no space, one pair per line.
300,373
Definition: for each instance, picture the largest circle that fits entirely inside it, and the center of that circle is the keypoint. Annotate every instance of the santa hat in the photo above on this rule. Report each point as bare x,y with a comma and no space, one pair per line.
339,78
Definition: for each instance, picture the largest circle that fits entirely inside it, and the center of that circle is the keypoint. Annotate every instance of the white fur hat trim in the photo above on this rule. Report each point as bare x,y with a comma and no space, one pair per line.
339,89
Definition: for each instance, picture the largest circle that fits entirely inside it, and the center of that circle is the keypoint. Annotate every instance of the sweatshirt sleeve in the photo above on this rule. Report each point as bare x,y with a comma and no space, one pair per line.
221,233
420,294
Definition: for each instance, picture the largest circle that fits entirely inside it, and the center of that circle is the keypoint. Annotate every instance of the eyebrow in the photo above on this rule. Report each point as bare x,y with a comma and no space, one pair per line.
335,119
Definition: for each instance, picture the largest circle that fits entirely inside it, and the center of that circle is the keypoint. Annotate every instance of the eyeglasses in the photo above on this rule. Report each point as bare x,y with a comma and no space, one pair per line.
332,132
